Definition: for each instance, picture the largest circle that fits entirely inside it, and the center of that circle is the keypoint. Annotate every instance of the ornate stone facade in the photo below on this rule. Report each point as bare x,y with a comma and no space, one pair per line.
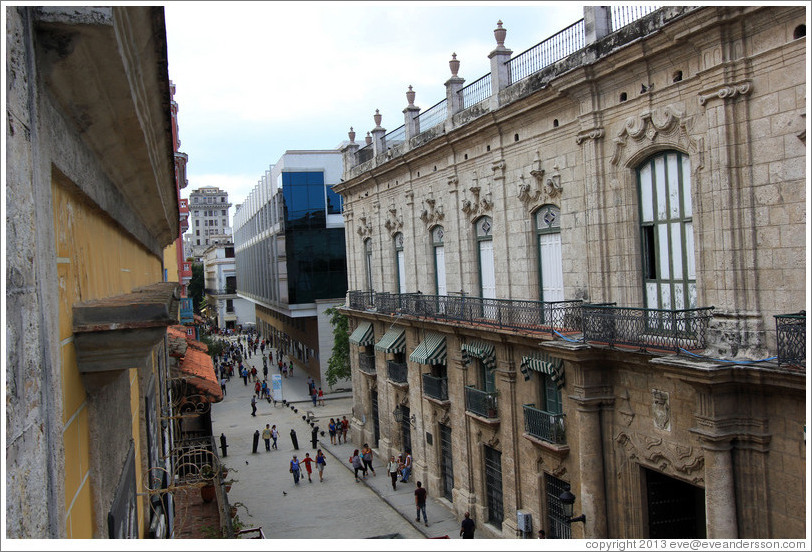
639,413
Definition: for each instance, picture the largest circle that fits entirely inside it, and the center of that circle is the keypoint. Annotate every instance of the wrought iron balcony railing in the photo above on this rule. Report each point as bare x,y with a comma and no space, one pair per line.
547,426
790,330
481,403
224,291
398,371
435,388
366,362
647,329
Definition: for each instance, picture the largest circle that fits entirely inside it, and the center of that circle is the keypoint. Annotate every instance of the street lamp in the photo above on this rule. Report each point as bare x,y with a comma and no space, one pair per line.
398,414
567,500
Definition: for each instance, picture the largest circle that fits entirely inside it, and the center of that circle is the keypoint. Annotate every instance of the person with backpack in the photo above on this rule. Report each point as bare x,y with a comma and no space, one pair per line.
321,461
357,464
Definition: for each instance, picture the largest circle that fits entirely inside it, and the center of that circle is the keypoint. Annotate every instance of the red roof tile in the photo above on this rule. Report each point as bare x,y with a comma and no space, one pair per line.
195,362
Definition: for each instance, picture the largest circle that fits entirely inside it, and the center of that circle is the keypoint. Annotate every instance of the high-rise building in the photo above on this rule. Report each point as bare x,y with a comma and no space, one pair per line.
291,261
208,207
576,281
225,308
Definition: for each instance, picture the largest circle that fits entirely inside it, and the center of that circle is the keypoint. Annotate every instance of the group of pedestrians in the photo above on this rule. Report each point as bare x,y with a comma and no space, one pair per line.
338,429
296,466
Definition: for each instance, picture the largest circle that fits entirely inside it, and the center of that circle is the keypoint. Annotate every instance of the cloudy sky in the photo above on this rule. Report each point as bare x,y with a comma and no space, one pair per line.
254,79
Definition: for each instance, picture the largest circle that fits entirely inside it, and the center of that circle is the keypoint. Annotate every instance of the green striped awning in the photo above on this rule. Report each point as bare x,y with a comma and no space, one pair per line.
541,362
431,351
393,341
481,350
363,335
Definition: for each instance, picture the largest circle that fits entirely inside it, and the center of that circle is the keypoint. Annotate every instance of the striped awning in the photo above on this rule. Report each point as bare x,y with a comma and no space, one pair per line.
481,350
363,335
393,341
431,351
541,362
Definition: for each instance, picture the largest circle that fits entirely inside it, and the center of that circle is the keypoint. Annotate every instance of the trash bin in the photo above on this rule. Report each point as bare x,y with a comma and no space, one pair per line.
256,441
292,438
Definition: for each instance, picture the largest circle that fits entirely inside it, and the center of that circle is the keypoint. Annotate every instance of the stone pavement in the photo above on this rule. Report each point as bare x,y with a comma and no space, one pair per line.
264,490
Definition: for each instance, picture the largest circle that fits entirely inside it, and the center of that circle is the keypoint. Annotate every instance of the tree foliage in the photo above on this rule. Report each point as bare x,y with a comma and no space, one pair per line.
216,345
338,367
196,286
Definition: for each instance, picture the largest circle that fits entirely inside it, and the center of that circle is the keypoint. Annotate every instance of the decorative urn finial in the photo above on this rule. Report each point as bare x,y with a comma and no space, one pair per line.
454,64
351,134
499,33
368,139
410,96
377,118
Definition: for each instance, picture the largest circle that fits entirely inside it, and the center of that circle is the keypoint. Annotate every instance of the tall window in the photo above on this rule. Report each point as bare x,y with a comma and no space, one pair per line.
548,236
437,235
487,274
667,232
400,263
368,255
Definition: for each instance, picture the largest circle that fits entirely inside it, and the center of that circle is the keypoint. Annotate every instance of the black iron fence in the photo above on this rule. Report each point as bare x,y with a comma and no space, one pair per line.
433,116
790,330
547,52
477,91
647,329
435,388
397,136
482,403
398,371
547,426
366,362
623,15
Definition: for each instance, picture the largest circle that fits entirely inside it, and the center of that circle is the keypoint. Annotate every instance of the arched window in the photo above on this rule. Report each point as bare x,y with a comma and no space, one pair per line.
548,238
667,232
437,235
400,264
487,272
368,256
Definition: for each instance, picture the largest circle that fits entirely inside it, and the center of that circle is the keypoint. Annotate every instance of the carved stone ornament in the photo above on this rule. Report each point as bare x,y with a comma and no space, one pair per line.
625,409
590,134
661,410
728,92
364,225
433,213
669,458
668,126
453,181
395,222
480,204
544,191
445,419
493,442
498,169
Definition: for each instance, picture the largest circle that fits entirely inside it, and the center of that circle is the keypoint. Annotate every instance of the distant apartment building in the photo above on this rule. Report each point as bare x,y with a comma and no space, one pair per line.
576,281
225,308
289,247
208,207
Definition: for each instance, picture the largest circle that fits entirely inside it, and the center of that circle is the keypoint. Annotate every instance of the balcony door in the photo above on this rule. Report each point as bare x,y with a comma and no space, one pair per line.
551,273
437,236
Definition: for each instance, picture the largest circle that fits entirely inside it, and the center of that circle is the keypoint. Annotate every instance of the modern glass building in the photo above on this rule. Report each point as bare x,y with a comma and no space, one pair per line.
290,253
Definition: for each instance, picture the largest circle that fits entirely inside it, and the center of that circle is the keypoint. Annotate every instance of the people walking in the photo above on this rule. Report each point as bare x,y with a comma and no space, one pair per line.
357,464
254,405
294,469
223,385
420,502
308,468
321,397
345,427
274,436
392,469
366,456
321,461
331,428
266,436
467,527
313,397
407,467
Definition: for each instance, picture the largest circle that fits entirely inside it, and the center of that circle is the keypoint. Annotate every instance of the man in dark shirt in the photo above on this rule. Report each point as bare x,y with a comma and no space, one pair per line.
420,501
468,527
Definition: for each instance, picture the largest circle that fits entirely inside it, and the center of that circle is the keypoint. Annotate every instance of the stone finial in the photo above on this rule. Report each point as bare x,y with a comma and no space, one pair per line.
368,138
410,96
454,64
499,33
351,134
377,118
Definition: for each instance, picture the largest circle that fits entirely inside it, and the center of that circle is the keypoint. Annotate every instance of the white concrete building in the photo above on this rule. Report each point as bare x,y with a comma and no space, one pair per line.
225,306
208,209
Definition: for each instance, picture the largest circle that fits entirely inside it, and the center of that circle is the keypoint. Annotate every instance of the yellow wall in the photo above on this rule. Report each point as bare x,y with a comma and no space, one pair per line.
95,259
171,262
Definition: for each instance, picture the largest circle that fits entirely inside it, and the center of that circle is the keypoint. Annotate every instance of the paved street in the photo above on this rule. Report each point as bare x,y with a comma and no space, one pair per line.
336,508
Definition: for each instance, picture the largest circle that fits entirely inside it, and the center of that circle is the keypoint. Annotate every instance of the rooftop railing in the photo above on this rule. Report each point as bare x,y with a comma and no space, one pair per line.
433,116
623,15
790,330
547,52
366,153
395,137
647,329
477,91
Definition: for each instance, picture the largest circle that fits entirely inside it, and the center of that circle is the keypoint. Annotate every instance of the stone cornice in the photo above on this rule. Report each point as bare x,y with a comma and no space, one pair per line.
726,91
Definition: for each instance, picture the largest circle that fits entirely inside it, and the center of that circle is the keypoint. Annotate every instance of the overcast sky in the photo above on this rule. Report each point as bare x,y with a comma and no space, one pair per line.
254,79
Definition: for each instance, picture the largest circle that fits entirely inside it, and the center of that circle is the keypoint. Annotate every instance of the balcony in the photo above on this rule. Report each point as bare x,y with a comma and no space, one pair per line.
654,330
398,371
435,388
790,331
481,403
366,363
547,426
224,291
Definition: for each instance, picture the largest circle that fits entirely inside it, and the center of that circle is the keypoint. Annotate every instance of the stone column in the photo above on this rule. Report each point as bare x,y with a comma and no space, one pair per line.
410,119
592,493
349,152
453,86
597,23
720,493
378,139
500,74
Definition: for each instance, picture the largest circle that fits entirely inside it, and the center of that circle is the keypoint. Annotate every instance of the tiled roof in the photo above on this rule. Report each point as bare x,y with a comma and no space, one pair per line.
195,362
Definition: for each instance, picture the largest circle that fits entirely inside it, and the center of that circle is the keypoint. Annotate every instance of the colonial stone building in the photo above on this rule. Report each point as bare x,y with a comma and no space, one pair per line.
572,274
